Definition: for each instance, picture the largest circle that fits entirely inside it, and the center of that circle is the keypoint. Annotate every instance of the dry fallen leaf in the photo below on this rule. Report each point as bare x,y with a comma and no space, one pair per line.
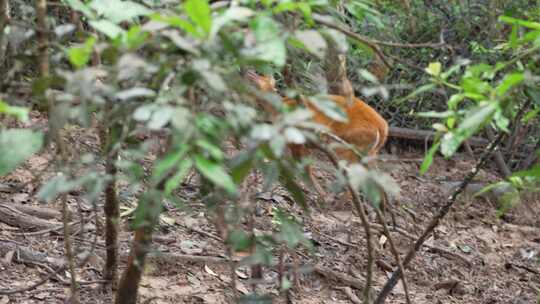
210,271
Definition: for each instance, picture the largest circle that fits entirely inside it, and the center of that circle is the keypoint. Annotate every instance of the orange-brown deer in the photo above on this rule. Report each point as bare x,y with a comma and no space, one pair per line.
365,128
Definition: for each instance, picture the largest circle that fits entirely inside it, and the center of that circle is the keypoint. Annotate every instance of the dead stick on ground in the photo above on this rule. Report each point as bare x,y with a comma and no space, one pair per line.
435,221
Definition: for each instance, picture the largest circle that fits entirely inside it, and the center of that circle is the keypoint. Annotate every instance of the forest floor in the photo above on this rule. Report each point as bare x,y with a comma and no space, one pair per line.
474,256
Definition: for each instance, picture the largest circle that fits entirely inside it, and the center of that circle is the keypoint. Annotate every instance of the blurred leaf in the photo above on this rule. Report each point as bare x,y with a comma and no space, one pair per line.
214,151
239,240
53,187
79,56
477,117
133,93
509,81
358,175
263,132
529,24
171,159
534,172
179,23
241,165
118,11
312,41
450,142
160,118
199,12
64,29
144,112
234,13
270,46
106,27
135,37
433,114
215,173
330,108
367,75
20,112
16,146
295,136
288,180
434,69
183,168
290,231
181,42
81,7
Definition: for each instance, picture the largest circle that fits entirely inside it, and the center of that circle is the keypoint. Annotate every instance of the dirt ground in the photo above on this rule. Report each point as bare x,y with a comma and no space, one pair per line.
474,256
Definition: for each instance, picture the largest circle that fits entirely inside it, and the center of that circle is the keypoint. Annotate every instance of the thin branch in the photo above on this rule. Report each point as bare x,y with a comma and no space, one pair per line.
363,218
370,43
391,283
394,252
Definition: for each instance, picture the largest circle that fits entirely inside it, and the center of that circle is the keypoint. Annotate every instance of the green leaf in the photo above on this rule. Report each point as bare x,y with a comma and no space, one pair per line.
239,240
509,81
450,142
215,173
80,56
329,108
214,151
241,165
81,7
520,22
164,165
534,172
118,11
107,28
434,69
234,13
477,117
290,231
288,180
16,146
20,112
55,186
199,12
270,46
177,22
181,42
428,159
183,168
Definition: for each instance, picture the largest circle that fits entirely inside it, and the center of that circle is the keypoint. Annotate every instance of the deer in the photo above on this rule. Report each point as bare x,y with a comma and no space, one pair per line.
365,129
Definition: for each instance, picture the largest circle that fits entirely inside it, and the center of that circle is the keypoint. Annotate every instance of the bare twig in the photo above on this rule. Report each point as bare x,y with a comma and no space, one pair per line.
498,157
395,253
370,43
363,218
68,245
436,219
